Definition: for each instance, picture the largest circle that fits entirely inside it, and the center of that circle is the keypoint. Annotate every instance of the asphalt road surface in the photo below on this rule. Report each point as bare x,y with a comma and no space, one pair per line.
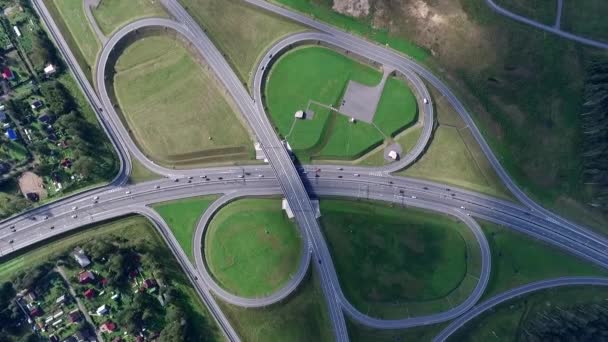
296,184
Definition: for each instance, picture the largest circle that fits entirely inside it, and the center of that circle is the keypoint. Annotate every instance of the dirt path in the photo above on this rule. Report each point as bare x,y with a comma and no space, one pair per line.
81,306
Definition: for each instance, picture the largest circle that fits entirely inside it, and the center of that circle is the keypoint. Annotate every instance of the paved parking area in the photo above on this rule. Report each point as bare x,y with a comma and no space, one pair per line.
360,101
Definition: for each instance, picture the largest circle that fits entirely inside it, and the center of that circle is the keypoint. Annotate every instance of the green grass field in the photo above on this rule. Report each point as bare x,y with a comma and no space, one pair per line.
113,14
176,110
241,32
454,157
543,11
321,75
359,333
251,247
407,261
302,317
504,323
140,173
587,18
81,34
518,260
134,229
182,217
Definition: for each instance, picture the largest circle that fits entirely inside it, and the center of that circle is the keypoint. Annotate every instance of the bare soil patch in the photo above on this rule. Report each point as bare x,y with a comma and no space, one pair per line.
30,182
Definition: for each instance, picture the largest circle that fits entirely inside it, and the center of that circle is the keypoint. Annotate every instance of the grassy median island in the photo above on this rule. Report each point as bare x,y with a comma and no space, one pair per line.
251,247
112,247
182,216
70,18
454,156
175,108
112,14
311,78
518,259
301,317
395,261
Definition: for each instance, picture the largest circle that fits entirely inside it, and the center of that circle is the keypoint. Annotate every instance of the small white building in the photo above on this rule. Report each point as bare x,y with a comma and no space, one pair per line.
49,69
393,155
17,32
315,206
285,206
81,258
102,310
300,114
60,300
352,120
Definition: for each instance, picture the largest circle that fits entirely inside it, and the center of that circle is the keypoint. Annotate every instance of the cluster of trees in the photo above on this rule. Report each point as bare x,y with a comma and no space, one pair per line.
84,137
595,133
579,323
11,317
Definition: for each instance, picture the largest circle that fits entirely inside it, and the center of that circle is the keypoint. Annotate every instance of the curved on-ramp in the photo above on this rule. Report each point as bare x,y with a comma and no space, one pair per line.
514,293
225,295
310,38
353,312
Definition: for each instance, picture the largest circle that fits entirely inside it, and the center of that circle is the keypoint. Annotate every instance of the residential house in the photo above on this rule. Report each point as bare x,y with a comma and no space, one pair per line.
102,310
7,74
49,69
81,258
74,316
85,277
107,327
89,293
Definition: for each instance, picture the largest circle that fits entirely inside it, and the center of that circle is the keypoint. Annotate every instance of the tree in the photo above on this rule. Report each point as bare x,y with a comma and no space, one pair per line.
84,166
42,50
100,249
175,326
57,98
7,293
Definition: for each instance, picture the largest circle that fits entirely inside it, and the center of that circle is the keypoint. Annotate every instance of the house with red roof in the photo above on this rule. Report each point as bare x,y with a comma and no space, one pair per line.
150,284
7,74
85,277
89,293
107,327
74,316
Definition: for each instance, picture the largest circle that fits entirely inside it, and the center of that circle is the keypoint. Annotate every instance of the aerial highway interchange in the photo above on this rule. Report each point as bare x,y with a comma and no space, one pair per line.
297,183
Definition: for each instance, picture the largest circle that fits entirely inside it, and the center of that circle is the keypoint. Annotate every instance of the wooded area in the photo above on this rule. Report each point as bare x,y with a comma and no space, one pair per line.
594,123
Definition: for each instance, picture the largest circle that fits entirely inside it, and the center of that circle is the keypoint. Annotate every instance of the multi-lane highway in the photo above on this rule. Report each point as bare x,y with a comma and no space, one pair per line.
283,177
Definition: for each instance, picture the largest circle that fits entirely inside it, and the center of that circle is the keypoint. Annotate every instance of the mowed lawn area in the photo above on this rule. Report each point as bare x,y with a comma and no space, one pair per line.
112,14
175,108
302,317
251,247
242,32
395,261
182,216
77,31
321,75
518,259
454,157
587,18
137,230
